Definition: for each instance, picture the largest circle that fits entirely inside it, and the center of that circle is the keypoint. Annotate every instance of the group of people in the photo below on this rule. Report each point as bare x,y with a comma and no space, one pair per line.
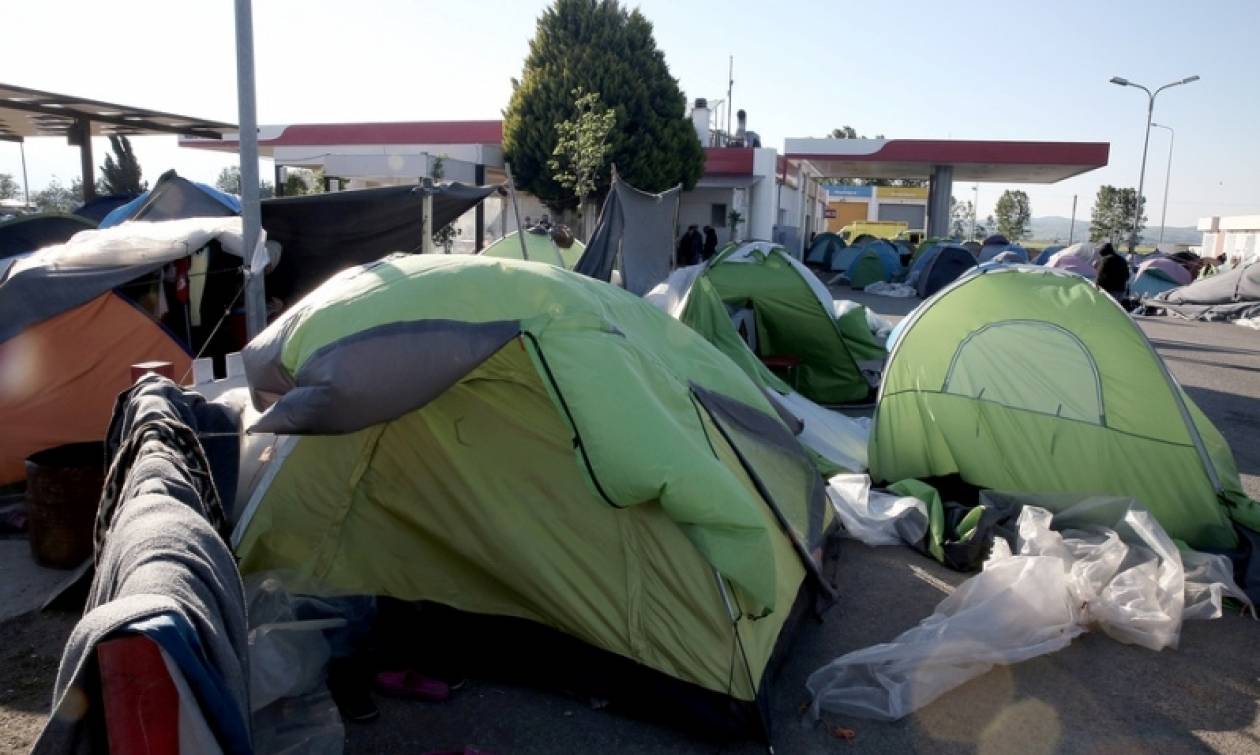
695,247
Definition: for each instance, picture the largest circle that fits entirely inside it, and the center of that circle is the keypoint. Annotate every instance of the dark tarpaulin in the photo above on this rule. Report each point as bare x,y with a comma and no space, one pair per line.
638,227
26,234
1226,295
322,234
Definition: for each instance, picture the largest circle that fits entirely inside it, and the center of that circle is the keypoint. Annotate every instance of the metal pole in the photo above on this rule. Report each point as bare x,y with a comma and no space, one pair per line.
730,86
251,214
1163,214
1137,202
83,135
26,186
1072,227
975,207
516,209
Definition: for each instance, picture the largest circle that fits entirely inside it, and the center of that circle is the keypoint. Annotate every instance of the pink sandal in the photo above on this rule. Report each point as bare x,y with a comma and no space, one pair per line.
410,685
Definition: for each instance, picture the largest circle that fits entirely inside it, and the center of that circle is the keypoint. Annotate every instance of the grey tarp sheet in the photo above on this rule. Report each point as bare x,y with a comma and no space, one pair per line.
159,556
639,228
1227,295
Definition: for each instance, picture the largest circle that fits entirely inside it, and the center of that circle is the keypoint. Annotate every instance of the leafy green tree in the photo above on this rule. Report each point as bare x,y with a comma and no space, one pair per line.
1111,219
960,214
444,236
55,197
1014,214
600,46
120,174
580,157
229,180
8,187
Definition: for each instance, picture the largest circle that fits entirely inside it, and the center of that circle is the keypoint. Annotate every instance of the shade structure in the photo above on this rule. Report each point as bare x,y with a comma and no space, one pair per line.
1029,379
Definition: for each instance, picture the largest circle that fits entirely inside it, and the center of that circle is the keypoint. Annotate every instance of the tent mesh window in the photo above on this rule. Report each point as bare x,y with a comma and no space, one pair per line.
1006,363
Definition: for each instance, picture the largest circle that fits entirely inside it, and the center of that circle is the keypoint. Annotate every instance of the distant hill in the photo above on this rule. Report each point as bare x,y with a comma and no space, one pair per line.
1053,227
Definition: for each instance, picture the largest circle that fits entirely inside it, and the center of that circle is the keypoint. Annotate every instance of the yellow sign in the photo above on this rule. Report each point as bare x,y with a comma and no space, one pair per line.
901,192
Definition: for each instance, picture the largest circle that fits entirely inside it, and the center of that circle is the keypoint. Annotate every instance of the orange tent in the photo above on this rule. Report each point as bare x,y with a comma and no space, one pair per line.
59,377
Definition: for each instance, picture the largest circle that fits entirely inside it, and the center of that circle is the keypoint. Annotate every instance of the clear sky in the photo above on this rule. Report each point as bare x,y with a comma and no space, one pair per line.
998,69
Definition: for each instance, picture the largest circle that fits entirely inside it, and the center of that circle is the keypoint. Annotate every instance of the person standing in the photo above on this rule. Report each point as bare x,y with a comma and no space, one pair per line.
690,247
1113,273
710,243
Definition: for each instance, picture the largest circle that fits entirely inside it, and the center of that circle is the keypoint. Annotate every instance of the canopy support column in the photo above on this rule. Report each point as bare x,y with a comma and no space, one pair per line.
479,214
940,190
251,212
81,134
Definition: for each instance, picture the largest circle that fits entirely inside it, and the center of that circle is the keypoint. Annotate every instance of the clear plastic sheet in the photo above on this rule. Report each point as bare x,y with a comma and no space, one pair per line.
1127,579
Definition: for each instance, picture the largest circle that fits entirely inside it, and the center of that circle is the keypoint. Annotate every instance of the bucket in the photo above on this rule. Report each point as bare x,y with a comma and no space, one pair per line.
63,487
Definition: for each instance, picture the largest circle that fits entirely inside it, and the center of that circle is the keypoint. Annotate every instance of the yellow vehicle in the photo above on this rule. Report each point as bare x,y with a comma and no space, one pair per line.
882,229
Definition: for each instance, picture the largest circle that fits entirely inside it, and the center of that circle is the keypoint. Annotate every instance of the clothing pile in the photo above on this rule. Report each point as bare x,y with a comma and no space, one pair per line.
163,570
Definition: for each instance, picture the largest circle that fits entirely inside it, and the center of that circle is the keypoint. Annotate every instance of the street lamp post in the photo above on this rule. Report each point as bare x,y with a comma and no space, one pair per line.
1150,112
1163,214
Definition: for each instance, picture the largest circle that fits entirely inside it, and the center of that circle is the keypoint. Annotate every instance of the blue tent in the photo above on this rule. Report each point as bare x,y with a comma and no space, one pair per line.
173,198
1150,282
99,208
26,233
1047,253
888,253
823,249
989,251
939,266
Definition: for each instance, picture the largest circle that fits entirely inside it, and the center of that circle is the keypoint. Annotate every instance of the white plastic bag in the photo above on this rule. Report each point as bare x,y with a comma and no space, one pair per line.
873,517
1127,579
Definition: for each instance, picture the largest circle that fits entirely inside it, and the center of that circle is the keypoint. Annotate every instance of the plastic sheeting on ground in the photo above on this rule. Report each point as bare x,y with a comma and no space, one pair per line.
1107,564
895,290
875,517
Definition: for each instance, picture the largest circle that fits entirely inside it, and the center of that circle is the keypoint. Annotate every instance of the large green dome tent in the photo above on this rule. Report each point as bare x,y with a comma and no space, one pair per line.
540,247
794,318
1023,378
523,444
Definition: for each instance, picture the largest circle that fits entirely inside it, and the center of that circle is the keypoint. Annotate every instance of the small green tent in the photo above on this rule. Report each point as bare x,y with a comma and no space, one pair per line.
1031,379
795,318
539,246
516,441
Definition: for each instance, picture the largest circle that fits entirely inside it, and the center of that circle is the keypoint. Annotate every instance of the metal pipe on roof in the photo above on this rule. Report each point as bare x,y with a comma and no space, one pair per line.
251,211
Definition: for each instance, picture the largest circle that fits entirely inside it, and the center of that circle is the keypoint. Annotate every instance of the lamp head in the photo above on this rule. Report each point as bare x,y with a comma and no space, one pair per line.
1190,79
1120,81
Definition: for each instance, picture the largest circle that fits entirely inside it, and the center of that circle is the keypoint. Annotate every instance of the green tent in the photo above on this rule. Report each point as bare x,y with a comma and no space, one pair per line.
516,441
794,318
866,268
1030,379
540,248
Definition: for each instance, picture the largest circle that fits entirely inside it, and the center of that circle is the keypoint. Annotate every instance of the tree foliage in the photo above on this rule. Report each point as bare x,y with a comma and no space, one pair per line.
444,236
600,46
120,174
1112,216
960,215
8,186
582,145
1014,214
229,180
55,197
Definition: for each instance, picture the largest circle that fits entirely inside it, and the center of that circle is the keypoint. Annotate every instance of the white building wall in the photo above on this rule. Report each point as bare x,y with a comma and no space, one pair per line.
762,212
1237,237
695,207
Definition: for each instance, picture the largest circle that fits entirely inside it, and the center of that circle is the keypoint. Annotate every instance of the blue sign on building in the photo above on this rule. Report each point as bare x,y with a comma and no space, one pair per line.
844,192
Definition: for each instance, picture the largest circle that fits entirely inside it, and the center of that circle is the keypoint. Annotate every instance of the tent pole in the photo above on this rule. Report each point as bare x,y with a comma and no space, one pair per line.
26,186
516,209
251,213
83,135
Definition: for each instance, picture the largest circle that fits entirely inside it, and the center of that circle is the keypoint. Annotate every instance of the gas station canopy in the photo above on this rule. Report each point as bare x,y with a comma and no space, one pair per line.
941,161
30,112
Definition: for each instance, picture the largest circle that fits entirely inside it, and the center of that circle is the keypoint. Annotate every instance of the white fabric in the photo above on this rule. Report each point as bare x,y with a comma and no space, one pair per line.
894,290
142,243
880,327
831,435
873,517
1128,580
670,295
1248,322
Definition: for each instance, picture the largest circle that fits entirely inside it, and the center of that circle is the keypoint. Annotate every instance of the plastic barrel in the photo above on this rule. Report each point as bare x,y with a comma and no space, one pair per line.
63,486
